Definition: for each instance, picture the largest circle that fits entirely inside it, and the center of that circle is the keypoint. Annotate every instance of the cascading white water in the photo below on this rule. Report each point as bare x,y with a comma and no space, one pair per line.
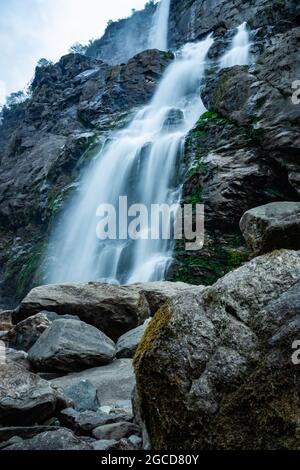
239,51
159,32
141,163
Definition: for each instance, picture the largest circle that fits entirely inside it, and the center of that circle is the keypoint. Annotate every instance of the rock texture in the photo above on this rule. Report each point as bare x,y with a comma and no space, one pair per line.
25,399
57,440
128,343
214,371
271,227
70,346
112,309
114,382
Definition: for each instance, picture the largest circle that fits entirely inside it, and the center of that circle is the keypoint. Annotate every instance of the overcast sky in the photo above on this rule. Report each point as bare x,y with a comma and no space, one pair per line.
32,29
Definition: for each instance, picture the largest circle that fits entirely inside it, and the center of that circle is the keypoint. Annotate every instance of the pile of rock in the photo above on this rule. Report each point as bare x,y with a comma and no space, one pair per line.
66,370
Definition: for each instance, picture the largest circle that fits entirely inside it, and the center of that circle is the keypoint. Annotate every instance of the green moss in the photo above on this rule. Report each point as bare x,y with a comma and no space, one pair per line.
28,275
220,89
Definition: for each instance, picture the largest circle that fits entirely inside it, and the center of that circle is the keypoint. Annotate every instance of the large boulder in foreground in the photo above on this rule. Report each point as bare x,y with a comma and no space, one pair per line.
25,399
112,309
70,346
114,382
273,226
214,371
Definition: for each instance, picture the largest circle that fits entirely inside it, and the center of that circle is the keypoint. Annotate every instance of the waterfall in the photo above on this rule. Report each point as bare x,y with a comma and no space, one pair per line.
141,162
239,52
159,32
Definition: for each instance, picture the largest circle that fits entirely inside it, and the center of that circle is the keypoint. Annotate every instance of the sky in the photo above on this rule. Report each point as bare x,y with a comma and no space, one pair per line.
35,29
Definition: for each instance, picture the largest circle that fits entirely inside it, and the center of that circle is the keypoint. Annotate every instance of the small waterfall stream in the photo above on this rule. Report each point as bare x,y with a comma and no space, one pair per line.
238,54
159,33
141,163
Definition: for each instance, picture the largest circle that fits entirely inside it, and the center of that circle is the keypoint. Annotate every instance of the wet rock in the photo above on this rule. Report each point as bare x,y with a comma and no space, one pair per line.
84,396
128,343
59,440
113,382
113,309
115,431
210,366
174,120
71,345
5,320
271,227
25,398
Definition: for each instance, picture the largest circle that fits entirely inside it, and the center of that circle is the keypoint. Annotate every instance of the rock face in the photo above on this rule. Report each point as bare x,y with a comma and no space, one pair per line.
70,346
25,399
124,38
214,370
112,309
114,382
271,227
45,143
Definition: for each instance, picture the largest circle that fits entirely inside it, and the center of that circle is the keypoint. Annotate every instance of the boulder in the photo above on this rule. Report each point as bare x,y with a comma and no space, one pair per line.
24,335
103,445
128,343
113,309
25,398
116,431
273,226
24,432
5,320
57,440
71,345
19,357
113,382
211,373
83,423
84,396
157,293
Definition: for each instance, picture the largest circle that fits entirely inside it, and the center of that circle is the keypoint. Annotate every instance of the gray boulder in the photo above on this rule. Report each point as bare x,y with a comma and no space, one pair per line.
25,398
5,320
84,396
23,432
19,357
103,445
218,366
113,382
128,343
113,309
115,431
83,423
273,226
57,440
157,293
71,345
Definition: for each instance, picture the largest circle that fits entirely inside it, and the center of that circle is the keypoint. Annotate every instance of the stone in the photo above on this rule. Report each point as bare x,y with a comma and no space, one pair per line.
112,309
113,382
273,226
115,431
25,399
19,357
128,343
71,345
26,333
62,439
157,293
84,396
24,432
83,423
5,320
104,445
217,366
